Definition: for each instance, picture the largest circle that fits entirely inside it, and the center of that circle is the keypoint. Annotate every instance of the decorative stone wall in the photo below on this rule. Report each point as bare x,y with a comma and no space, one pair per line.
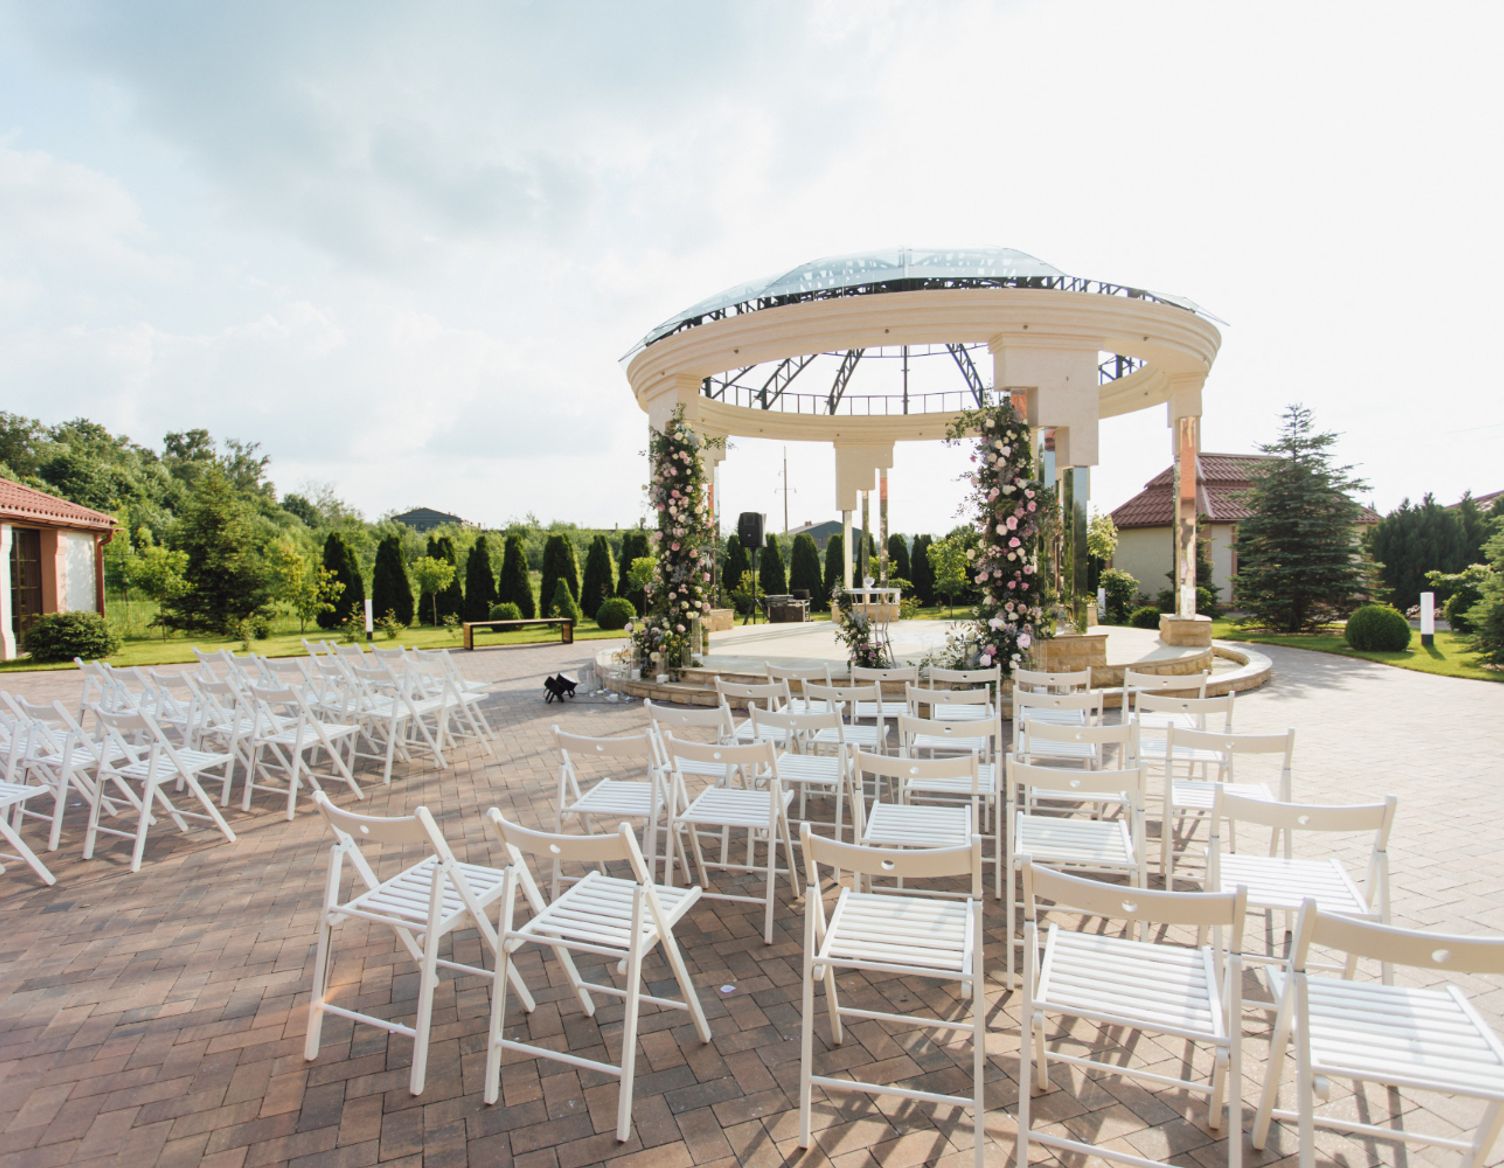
1185,630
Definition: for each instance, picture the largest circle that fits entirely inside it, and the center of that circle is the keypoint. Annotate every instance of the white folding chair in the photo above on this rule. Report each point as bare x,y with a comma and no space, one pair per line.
633,788
1087,745
1101,847
55,751
1278,883
904,933
142,754
772,695
949,705
1136,681
794,677
1191,992
13,798
884,707
870,734
762,813
621,919
1080,708
1413,1038
422,904
990,679
1057,682
287,737
1210,759
938,802
934,738
801,762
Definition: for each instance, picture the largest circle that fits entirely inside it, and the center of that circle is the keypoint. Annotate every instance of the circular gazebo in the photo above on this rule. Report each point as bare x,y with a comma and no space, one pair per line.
864,351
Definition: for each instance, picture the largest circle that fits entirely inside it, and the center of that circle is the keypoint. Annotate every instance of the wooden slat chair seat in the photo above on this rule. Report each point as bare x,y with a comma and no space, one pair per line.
908,933
1187,992
621,919
635,791
772,695
856,733
1404,1038
802,763
421,903
288,736
13,798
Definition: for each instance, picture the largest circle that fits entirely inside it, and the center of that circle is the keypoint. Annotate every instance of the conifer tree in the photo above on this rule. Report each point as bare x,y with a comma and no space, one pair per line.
340,560
515,585
898,557
391,590
600,576
480,584
1413,540
804,570
770,571
559,563
634,545
737,563
833,550
924,575
1299,564
563,603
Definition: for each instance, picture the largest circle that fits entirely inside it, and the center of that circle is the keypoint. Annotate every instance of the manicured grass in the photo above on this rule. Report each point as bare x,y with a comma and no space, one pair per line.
288,642
1448,657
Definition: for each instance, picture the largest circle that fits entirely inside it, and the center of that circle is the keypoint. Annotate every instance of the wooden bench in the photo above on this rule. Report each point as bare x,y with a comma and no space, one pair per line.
565,623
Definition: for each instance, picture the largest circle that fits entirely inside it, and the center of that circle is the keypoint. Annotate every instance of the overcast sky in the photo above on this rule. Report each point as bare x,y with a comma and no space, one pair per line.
404,246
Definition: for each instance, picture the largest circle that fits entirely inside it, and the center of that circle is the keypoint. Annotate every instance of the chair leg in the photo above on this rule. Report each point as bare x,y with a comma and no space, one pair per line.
629,1044
59,806
1025,1075
807,1036
208,805
320,988
150,794
496,1025
978,1047
771,856
92,832
1305,1086
28,857
1484,1137
428,978
686,986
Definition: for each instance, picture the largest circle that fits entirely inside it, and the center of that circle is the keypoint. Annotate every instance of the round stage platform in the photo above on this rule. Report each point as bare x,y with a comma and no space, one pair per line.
739,654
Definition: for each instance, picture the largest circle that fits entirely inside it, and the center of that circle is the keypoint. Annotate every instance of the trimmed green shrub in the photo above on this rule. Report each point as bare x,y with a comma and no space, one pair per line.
1378,627
634,545
898,556
451,599
391,592
515,585
804,571
480,584
559,563
564,603
923,575
770,571
1145,617
505,610
614,612
389,625
600,575
736,565
62,636
1122,590
340,560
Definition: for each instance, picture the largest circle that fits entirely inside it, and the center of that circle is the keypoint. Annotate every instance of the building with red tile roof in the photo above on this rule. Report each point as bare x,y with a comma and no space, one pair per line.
51,559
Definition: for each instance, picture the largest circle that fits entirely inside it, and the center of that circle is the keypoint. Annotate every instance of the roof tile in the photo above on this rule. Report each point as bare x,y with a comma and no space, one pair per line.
21,503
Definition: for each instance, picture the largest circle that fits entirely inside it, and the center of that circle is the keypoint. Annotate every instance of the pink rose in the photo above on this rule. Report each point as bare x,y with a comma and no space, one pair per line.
1024,641
1012,523
1014,542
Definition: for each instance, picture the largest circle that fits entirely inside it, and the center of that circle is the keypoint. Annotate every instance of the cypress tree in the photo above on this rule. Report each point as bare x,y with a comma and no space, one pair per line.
515,584
1298,561
480,584
924,575
898,557
737,563
390,589
600,574
833,551
452,598
563,603
770,570
804,570
634,545
559,563
1413,540
340,560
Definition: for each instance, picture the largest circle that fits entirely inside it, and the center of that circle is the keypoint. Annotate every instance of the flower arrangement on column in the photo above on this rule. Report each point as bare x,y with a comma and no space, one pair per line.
854,630
679,593
1010,505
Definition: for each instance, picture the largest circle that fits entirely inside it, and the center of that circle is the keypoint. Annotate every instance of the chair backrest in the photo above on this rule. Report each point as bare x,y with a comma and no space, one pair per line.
1136,681
846,695
980,735
1234,744
890,863
1035,737
1440,952
780,723
1088,702
1127,783
1204,710
1350,818
756,755
991,678
1198,910
771,693
918,696
908,673
904,770
606,848
715,719
1052,681
801,673
632,747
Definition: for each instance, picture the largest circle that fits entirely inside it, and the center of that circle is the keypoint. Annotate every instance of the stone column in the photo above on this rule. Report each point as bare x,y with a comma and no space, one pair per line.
882,525
1185,430
1075,492
861,559
846,548
855,468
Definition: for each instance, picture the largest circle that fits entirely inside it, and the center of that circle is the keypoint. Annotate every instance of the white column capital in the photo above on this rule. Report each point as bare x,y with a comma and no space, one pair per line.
855,468
1184,399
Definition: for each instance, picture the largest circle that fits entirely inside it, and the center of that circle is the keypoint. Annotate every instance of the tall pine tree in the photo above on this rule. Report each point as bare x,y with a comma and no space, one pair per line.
340,560
599,581
391,590
770,570
480,583
515,584
923,574
834,550
559,563
1299,564
804,570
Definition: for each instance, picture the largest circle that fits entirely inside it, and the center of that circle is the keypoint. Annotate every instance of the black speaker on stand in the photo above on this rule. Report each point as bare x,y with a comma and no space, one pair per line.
749,525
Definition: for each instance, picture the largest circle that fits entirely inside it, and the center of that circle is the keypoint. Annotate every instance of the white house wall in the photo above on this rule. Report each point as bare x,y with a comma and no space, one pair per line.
1148,554
76,590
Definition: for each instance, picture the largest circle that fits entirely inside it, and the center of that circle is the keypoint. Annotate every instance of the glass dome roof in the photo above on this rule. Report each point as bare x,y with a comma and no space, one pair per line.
900,269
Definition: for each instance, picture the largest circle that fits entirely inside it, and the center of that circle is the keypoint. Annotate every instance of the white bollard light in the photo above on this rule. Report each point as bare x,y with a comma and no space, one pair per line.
1427,618
370,624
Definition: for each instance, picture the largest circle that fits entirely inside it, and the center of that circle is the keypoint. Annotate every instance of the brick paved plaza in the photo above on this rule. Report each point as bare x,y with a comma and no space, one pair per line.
159,1018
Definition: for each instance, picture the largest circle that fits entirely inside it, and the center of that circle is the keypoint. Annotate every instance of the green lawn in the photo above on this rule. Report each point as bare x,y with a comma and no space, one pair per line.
286,641
1449,656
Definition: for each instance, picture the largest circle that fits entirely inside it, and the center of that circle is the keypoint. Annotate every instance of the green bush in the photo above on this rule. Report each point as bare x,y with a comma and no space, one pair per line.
1378,627
1121,589
615,612
389,624
62,636
1145,617
564,603
506,610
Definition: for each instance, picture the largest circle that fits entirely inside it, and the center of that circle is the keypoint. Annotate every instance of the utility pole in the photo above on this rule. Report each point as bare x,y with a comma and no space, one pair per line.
786,490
